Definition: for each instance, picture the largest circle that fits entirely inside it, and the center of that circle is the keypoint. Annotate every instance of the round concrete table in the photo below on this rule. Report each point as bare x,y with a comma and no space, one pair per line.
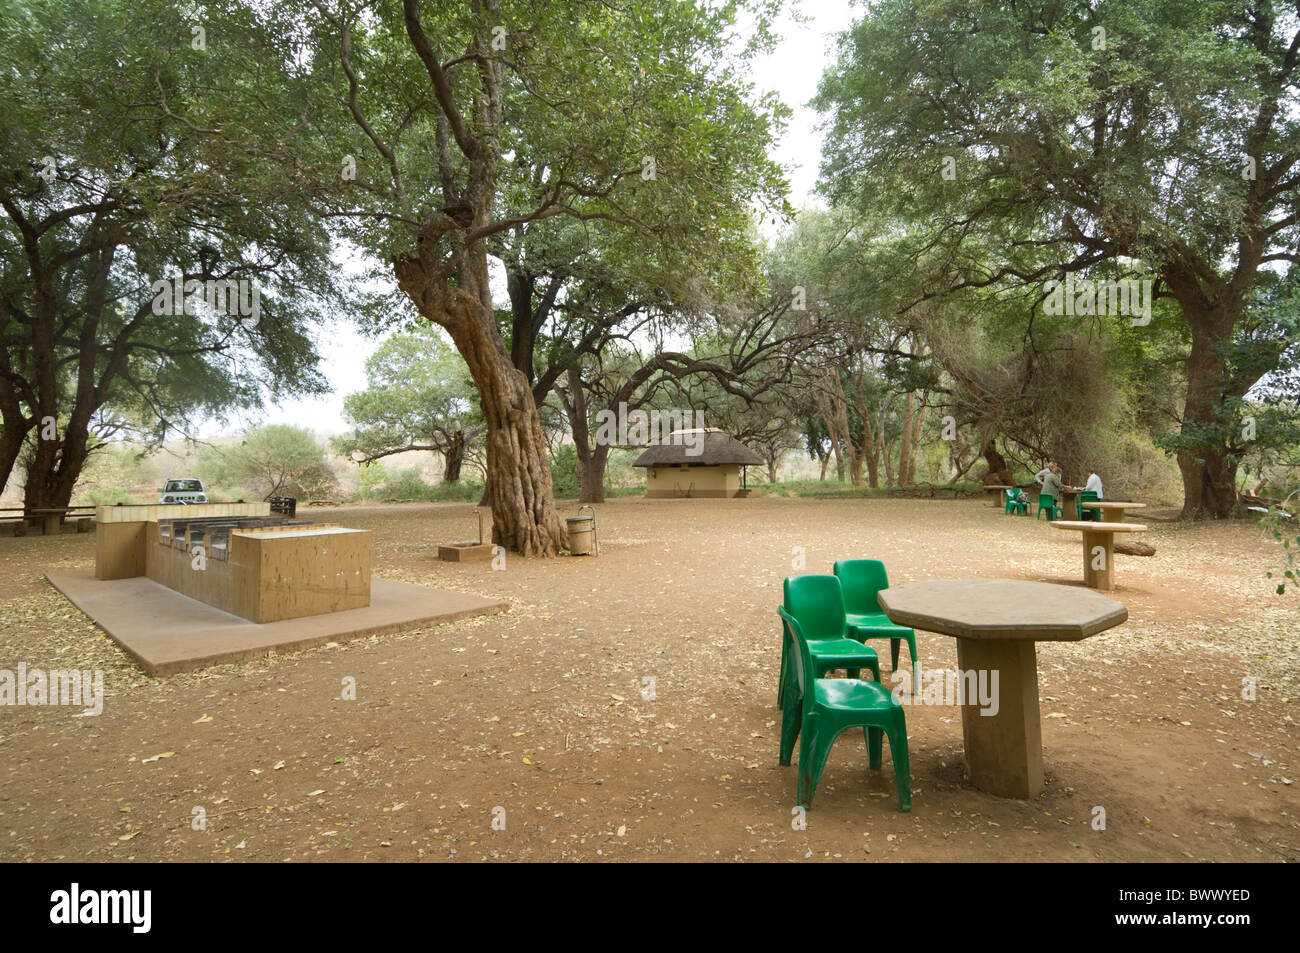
1112,511
996,623
1098,548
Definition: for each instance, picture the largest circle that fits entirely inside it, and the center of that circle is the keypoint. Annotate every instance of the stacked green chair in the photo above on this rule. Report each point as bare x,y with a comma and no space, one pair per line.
862,580
1014,505
1086,496
818,709
817,603
1053,509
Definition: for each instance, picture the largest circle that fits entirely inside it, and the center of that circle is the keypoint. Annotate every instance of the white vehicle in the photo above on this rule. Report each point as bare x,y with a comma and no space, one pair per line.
183,491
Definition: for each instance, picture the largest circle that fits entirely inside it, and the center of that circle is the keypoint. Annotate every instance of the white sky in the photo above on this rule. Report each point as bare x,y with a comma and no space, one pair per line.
792,70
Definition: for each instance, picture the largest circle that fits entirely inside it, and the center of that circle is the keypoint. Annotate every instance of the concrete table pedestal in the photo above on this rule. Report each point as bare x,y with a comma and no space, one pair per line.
998,492
1098,548
996,623
1004,752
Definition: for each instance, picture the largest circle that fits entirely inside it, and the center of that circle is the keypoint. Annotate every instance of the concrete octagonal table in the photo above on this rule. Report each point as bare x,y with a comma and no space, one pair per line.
996,623
1112,511
1098,548
999,493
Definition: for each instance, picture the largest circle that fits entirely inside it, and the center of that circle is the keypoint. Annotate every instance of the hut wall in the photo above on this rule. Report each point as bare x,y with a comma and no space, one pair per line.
715,482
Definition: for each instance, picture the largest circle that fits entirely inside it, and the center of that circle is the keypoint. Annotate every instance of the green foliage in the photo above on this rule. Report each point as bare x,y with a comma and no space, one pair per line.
1281,524
420,397
409,484
111,497
564,470
590,92
128,156
997,146
372,478
272,460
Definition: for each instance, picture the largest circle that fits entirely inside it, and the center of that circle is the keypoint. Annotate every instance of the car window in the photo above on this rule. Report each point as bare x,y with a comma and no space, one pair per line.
184,486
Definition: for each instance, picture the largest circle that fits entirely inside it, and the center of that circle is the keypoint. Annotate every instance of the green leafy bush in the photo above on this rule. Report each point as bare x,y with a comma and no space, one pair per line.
1282,525
409,484
564,470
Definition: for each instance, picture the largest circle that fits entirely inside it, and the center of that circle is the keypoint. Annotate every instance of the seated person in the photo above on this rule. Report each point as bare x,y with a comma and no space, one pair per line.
1094,483
1052,485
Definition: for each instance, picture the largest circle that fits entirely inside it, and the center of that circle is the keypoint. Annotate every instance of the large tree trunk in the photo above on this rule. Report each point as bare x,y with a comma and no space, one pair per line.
591,460
524,517
56,464
998,473
905,442
51,482
918,426
14,425
1209,476
591,476
11,444
447,281
454,458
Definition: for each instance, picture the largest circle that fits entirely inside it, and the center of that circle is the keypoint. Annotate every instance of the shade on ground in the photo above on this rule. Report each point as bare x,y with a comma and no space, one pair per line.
166,632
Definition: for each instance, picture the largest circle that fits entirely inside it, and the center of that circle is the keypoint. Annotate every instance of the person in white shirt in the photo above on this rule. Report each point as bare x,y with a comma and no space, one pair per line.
1041,475
1094,483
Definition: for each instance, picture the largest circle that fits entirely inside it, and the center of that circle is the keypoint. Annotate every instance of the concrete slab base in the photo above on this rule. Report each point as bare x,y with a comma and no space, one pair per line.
166,632
465,552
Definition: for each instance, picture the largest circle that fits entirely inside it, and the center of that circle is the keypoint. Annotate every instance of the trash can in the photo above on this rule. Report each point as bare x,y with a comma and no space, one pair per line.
582,530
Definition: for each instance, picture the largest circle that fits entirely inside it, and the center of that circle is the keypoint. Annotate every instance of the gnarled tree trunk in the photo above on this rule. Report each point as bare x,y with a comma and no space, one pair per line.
524,517
453,457
1209,476
14,425
591,460
999,472
905,442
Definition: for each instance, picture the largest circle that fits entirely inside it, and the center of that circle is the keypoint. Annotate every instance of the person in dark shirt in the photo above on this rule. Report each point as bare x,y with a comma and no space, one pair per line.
1052,485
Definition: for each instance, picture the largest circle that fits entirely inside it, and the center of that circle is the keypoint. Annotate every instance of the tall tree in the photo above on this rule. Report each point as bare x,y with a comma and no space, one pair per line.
743,361
1031,140
419,397
132,154
273,459
483,116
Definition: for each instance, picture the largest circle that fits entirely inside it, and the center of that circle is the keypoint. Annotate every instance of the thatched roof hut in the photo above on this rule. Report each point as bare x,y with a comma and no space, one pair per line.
702,463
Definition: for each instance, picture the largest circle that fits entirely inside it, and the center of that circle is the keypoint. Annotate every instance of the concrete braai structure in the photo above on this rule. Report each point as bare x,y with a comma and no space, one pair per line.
249,563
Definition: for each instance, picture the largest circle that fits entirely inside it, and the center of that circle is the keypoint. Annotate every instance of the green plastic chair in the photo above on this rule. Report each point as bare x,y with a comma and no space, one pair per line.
1086,496
1054,510
818,709
817,602
862,579
1013,505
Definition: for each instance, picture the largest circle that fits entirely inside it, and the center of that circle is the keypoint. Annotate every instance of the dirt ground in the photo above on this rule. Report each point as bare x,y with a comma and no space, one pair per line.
541,718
